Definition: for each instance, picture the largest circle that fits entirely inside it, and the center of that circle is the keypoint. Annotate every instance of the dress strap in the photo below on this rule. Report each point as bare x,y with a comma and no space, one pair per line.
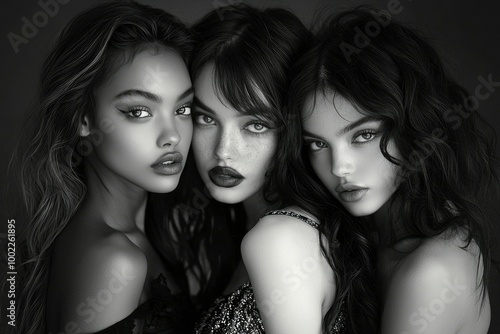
294,215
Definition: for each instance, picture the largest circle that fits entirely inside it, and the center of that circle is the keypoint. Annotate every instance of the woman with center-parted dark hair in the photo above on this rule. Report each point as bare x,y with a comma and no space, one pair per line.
241,72
391,136
112,122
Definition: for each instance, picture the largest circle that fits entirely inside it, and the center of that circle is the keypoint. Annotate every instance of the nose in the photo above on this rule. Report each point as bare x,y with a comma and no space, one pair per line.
342,163
227,144
169,134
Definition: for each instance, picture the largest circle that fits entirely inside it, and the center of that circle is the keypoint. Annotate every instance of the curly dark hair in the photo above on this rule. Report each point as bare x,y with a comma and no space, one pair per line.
447,162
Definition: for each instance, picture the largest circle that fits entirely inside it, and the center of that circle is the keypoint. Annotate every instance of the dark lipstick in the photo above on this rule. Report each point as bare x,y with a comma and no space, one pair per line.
226,177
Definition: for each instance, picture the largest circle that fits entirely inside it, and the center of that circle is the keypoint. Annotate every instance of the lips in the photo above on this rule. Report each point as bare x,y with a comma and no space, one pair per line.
350,192
225,177
168,164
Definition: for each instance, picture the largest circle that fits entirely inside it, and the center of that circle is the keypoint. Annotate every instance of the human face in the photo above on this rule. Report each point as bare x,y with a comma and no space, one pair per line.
232,150
344,152
141,128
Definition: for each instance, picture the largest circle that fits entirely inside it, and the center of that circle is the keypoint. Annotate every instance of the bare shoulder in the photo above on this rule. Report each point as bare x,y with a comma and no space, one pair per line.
96,279
280,231
436,288
95,248
444,256
294,285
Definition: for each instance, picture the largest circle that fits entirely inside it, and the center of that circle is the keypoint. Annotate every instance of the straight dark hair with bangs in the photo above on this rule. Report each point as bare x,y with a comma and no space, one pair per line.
448,164
252,51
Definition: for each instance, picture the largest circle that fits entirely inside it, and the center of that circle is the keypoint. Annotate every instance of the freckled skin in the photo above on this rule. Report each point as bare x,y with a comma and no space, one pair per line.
229,138
349,158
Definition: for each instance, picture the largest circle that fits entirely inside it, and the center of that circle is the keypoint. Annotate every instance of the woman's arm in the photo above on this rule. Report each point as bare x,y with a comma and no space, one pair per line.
287,270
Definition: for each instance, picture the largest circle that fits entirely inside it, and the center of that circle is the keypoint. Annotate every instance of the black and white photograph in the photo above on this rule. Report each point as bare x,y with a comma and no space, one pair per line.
250,167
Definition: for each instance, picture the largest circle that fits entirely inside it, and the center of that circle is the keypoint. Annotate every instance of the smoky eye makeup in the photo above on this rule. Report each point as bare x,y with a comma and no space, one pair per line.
185,110
314,145
135,113
202,118
257,125
365,136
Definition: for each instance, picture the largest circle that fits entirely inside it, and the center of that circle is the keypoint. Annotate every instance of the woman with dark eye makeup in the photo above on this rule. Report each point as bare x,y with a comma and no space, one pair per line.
286,282
384,133
112,123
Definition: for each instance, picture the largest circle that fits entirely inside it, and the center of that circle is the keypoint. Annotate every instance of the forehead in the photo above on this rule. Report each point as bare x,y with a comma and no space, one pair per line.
328,112
162,73
207,92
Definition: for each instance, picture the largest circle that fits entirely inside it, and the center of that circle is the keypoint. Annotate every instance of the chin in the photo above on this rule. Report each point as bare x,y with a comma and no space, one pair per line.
356,212
360,209
163,186
226,195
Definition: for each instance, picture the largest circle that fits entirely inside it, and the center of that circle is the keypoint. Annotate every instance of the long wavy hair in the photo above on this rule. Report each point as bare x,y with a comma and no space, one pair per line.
447,162
252,51
345,240
92,46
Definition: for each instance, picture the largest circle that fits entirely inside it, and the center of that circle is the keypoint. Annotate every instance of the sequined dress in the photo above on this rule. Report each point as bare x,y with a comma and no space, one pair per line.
163,313
237,312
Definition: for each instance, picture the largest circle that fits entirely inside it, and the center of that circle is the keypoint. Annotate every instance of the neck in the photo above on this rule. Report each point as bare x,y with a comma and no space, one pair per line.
255,207
380,221
119,203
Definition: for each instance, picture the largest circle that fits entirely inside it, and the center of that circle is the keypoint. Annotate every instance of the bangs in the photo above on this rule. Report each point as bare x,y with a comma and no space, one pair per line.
240,85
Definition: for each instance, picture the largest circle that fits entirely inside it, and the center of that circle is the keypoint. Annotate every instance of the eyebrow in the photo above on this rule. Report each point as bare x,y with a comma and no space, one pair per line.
150,96
348,128
357,123
203,106
209,110
188,92
138,92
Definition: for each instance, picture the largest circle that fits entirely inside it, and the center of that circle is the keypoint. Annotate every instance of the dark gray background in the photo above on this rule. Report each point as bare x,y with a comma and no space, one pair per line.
465,32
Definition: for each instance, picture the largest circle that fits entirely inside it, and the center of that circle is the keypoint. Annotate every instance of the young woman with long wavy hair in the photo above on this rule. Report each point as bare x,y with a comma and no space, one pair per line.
111,123
399,144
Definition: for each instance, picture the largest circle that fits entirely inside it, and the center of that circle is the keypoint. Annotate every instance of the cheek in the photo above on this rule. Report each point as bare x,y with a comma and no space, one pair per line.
121,145
185,128
202,144
321,167
392,177
389,171
261,153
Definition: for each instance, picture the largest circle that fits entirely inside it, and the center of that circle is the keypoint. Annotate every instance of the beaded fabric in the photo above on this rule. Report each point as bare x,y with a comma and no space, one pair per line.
301,217
231,314
294,215
237,312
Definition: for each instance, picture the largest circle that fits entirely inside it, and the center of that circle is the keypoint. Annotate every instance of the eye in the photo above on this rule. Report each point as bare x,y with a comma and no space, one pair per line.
315,145
257,127
365,136
137,112
202,119
184,110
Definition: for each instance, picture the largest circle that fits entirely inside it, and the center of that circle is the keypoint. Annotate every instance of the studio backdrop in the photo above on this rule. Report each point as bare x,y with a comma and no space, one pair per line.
465,32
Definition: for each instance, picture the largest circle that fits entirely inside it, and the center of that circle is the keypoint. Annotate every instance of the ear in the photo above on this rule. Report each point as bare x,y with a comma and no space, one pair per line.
84,127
